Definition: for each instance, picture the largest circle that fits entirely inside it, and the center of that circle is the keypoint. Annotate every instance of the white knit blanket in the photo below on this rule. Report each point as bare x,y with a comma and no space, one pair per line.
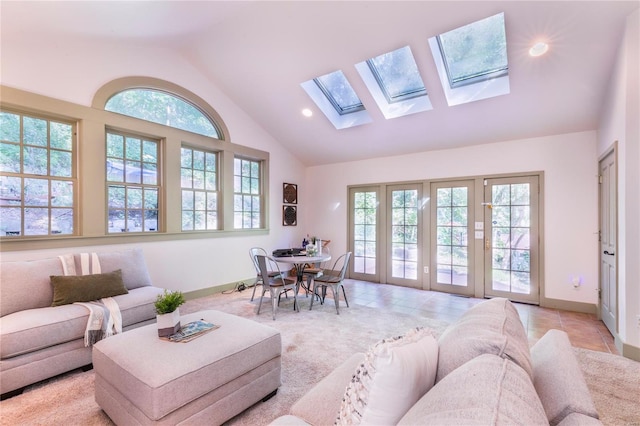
105,318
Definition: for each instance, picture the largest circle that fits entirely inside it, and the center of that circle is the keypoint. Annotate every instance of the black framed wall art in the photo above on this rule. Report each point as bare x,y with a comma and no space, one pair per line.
289,215
289,193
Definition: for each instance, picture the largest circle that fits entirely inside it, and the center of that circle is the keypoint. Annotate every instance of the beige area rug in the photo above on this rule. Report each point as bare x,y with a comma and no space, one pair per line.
314,343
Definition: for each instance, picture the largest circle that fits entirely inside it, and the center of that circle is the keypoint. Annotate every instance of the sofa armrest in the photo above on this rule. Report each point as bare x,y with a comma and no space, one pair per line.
321,405
558,379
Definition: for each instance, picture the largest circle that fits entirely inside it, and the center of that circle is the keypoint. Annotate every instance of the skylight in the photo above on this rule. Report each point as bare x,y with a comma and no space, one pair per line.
397,74
337,89
162,108
336,98
395,83
475,52
472,60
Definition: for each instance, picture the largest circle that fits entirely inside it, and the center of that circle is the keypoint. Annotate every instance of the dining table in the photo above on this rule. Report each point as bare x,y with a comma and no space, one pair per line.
299,261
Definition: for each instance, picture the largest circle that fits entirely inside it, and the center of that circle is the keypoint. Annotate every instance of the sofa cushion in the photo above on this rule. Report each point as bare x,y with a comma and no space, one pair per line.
132,264
395,373
558,378
33,329
68,289
320,405
26,284
492,326
487,390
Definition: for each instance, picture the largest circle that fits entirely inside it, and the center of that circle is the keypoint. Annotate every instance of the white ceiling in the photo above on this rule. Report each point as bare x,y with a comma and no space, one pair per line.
259,52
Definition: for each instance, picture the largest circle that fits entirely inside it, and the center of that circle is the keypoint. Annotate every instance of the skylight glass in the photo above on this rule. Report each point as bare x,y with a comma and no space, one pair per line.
162,108
337,89
397,75
475,52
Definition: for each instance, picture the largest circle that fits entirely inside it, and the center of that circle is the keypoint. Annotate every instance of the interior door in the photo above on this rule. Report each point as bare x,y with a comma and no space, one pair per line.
452,223
403,235
608,243
512,238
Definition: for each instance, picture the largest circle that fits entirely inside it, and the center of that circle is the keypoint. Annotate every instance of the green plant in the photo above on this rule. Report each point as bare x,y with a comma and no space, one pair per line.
168,302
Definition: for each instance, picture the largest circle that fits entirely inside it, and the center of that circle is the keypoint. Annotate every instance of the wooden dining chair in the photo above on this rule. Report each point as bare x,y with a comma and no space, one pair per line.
276,285
333,279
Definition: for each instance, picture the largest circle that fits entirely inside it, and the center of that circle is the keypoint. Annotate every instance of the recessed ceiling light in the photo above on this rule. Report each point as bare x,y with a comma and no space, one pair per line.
538,49
307,112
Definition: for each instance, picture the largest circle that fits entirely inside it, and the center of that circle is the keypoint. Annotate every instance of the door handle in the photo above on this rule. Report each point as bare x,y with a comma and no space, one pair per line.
610,254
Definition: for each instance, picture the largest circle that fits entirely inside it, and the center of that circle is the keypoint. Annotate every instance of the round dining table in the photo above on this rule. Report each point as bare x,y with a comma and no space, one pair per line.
299,261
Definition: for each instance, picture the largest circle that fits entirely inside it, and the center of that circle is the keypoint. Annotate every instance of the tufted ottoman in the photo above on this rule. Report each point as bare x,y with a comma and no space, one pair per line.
142,379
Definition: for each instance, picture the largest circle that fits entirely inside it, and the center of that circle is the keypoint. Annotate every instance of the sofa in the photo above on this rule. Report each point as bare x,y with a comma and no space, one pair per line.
38,340
479,371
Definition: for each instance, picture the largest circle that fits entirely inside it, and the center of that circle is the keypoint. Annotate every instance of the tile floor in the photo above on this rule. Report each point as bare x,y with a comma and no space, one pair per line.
584,330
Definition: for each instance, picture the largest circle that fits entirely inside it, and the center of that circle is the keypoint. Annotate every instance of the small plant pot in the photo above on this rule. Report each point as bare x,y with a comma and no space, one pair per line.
168,324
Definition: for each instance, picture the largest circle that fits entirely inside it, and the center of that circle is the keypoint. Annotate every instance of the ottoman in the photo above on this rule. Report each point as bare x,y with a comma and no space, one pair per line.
142,379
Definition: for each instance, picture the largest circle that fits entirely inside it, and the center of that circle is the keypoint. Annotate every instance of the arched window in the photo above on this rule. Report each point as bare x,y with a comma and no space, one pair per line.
162,108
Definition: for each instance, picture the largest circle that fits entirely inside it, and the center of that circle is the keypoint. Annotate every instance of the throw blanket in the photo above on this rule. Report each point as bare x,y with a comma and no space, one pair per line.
104,315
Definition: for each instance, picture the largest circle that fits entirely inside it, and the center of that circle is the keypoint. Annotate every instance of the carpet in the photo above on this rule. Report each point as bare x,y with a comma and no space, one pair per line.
314,343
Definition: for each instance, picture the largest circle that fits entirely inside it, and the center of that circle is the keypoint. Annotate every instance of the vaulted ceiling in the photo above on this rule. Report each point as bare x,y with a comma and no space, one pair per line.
259,52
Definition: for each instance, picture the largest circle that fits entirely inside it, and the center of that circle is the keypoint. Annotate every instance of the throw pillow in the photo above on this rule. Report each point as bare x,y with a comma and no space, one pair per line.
86,288
395,374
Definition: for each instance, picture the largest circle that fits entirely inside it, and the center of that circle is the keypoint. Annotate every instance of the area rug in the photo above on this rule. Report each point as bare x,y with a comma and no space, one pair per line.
314,343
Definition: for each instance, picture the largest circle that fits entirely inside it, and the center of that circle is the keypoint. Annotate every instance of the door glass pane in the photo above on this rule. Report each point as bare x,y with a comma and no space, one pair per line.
364,232
452,236
511,245
404,234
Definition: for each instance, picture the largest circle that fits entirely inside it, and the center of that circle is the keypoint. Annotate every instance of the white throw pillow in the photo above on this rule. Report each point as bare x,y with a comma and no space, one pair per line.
395,374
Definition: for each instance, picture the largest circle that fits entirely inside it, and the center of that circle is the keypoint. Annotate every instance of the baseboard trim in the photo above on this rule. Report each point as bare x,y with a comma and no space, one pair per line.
567,305
631,352
208,291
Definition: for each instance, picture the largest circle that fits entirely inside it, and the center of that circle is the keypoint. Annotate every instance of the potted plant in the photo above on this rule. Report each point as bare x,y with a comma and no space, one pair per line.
167,312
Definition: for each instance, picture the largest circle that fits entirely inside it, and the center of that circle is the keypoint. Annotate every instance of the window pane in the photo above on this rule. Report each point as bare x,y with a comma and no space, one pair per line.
199,207
61,163
35,131
133,162
9,158
475,52
36,160
61,136
9,127
248,196
162,108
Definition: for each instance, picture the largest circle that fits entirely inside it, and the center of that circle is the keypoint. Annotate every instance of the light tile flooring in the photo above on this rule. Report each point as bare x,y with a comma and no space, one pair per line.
584,330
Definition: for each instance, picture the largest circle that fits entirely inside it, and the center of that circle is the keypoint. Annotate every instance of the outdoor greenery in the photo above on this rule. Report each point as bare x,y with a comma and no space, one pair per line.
168,301
162,108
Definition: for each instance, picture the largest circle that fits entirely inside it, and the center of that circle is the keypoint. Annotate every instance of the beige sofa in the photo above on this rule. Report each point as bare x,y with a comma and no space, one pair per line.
38,341
480,371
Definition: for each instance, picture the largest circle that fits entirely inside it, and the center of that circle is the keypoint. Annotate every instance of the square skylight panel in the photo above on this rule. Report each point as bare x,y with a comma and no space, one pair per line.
475,52
395,83
337,89
472,61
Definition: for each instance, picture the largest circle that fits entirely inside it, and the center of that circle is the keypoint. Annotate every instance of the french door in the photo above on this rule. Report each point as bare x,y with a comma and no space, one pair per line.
452,236
512,238
404,224
364,217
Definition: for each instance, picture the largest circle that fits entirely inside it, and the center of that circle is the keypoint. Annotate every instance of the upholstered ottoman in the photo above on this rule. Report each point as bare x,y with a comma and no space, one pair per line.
142,379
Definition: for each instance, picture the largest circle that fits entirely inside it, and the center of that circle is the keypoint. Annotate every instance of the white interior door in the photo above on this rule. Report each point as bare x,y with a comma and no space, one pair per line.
608,243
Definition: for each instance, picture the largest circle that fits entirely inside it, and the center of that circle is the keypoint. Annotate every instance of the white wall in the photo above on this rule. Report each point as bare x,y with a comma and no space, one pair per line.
74,71
570,197
620,122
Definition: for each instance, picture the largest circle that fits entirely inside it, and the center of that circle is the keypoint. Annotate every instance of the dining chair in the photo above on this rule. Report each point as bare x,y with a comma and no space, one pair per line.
311,272
253,252
276,285
333,279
